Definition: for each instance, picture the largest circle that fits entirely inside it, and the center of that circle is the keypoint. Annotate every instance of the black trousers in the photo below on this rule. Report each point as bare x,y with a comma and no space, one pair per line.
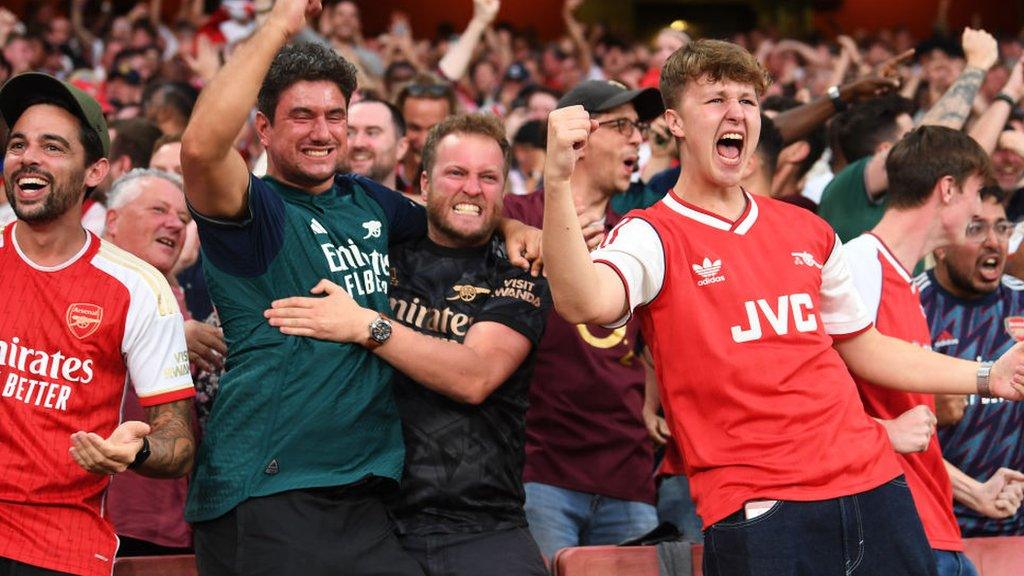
510,552
313,532
10,567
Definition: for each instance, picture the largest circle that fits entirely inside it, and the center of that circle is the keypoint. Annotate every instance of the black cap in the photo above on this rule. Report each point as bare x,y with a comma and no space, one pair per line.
18,93
602,95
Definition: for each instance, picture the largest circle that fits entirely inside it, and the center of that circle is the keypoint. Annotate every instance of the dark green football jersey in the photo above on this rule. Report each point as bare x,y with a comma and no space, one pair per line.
294,412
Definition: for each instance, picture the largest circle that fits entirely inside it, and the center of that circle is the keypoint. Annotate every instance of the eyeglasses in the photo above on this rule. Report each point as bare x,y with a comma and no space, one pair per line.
433,90
977,230
625,126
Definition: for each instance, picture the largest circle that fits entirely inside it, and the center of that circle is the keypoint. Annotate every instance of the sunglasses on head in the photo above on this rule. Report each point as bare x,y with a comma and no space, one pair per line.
435,90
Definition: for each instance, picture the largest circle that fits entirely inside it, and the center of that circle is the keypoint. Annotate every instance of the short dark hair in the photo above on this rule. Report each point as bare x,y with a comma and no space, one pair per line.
815,139
770,145
134,138
992,193
305,61
859,130
397,120
486,125
177,96
925,156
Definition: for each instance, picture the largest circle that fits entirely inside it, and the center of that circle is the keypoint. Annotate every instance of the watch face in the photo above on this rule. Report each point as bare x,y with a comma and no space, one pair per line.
380,330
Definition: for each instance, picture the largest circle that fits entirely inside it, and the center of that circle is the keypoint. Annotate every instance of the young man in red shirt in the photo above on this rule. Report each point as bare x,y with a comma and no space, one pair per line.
755,325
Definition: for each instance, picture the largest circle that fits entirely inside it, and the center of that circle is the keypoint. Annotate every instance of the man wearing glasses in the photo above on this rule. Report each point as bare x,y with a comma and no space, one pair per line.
975,311
588,459
935,174
424,103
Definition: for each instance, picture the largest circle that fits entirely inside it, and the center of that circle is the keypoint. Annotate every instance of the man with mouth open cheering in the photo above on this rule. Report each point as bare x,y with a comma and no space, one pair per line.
749,310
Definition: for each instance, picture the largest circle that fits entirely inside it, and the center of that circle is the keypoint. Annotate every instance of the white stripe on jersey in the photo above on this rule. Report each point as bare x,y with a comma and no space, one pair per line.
1013,283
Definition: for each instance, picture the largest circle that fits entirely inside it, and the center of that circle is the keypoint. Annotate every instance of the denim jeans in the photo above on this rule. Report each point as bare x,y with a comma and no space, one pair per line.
560,518
676,506
874,533
954,564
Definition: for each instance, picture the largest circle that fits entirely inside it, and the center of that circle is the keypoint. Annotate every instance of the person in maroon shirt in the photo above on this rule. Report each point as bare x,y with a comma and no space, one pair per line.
589,462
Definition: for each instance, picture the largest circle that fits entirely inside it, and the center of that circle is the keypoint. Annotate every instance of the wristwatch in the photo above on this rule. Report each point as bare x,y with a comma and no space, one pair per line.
142,455
380,331
837,100
984,376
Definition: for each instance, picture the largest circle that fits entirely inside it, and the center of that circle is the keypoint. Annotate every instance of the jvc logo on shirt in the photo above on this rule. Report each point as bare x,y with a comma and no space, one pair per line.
799,307
709,272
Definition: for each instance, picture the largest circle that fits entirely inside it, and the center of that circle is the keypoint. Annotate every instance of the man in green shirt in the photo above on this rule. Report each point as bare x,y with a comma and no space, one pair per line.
304,436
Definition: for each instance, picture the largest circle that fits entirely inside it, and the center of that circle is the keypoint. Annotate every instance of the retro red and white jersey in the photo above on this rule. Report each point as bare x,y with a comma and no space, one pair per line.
893,300
70,337
741,318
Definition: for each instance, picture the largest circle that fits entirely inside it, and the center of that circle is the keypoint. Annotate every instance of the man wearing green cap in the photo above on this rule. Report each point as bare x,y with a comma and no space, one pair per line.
78,319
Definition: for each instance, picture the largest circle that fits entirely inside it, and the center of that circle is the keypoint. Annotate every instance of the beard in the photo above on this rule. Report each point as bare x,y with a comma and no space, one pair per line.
63,195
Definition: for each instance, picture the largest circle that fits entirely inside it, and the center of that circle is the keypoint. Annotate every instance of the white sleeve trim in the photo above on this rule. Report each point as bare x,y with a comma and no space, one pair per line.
842,308
154,334
634,250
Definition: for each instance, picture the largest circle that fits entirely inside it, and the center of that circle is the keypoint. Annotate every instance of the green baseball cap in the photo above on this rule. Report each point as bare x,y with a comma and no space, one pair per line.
23,90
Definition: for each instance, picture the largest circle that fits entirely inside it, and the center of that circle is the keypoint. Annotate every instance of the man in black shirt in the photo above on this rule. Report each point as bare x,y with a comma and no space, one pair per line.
467,324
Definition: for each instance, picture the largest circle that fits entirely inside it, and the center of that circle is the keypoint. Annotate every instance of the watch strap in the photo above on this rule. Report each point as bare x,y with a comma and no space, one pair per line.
984,379
142,455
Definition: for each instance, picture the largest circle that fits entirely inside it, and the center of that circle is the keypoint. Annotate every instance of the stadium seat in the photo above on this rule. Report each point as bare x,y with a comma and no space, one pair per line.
614,561
184,565
997,556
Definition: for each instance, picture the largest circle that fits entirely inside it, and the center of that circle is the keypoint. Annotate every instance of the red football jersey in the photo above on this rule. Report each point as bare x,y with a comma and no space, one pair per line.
70,337
892,298
740,317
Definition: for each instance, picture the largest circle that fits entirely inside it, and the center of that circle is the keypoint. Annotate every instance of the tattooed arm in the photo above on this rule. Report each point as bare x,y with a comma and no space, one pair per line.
171,444
953,108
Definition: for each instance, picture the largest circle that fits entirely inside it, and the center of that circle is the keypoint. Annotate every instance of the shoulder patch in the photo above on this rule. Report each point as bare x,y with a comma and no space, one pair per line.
150,276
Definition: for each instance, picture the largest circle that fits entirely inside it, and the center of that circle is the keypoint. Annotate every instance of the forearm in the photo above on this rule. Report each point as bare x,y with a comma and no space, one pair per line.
840,68
224,104
894,363
171,442
965,488
456,61
575,30
955,105
798,122
464,376
990,124
572,276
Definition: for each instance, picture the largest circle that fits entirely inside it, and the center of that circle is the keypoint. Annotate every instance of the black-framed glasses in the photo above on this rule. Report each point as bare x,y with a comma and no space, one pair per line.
625,126
978,230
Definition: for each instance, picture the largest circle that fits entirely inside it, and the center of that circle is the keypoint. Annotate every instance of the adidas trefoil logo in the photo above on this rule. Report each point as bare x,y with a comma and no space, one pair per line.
709,272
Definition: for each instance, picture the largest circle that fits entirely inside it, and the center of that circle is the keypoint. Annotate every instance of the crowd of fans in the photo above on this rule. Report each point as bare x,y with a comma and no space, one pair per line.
600,464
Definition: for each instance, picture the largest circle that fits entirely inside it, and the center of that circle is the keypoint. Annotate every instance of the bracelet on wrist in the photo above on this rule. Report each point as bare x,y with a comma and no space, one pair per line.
984,379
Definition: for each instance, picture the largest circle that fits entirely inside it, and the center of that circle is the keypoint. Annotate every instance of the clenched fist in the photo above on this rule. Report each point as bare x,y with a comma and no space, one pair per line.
568,131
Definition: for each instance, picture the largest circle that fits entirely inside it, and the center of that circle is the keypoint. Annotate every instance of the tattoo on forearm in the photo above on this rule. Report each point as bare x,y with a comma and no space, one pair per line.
954,107
171,441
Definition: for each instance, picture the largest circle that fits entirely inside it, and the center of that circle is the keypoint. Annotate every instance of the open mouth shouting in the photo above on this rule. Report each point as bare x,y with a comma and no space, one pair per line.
990,267
467,209
730,148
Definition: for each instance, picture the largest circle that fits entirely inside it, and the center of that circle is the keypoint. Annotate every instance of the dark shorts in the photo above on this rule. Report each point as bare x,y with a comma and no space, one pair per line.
874,533
509,552
313,532
10,567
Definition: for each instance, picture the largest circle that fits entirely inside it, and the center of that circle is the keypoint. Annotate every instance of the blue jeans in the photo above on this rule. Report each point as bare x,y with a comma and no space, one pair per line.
954,564
676,506
874,533
560,518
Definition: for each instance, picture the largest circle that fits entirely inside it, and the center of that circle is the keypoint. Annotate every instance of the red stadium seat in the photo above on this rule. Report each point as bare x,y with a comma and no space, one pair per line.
184,565
614,561
998,556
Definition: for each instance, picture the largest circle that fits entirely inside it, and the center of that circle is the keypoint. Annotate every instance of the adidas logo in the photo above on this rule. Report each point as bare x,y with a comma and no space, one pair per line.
708,271
316,227
945,339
